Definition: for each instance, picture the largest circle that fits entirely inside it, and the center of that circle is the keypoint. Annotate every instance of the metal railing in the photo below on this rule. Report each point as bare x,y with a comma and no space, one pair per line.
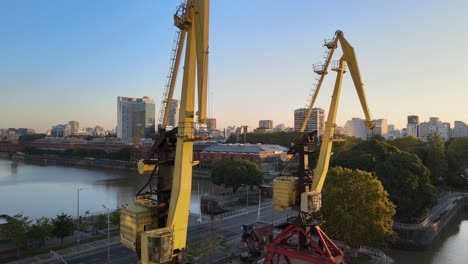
378,255
446,199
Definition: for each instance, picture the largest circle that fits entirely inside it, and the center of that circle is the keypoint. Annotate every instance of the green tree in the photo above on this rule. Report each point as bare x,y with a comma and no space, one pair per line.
63,225
115,217
30,137
436,160
356,208
42,230
193,254
457,156
407,180
234,173
402,174
410,144
15,231
101,222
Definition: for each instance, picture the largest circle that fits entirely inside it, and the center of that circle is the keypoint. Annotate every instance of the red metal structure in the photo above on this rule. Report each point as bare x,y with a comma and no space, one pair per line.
295,243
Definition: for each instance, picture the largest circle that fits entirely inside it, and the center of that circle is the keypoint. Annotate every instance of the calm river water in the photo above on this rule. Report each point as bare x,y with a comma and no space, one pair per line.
39,191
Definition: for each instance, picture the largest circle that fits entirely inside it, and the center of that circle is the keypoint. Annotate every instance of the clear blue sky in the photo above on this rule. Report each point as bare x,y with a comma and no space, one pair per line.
69,60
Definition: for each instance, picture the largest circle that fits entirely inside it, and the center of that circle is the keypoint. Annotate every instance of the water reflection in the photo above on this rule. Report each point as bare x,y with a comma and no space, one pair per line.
39,191
14,168
449,248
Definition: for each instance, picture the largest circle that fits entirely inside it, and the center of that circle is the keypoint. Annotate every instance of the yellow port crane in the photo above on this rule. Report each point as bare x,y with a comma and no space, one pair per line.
156,225
303,192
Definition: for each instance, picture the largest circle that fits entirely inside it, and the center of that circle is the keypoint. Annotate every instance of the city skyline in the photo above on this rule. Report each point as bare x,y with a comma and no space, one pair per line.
69,61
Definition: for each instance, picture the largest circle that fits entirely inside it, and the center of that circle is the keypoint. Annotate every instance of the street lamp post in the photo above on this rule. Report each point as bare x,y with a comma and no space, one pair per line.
78,216
108,233
247,196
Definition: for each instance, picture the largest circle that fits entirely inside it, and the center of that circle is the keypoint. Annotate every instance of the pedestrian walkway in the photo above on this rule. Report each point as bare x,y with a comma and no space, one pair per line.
69,252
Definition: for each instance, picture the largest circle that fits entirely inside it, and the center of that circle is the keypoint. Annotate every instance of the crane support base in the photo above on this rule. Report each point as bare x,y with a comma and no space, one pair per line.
295,243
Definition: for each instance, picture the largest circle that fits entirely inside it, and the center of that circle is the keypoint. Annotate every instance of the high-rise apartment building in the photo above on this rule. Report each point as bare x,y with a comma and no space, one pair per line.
412,127
174,114
74,126
265,124
381,127
61,131
356,127
316,120
459,129
211,124
135,117
434,126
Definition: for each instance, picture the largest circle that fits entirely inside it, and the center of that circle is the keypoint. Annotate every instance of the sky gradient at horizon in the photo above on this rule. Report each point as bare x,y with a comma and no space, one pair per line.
69,60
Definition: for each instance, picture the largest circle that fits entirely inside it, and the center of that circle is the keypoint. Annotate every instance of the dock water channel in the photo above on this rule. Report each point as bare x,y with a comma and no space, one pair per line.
38,191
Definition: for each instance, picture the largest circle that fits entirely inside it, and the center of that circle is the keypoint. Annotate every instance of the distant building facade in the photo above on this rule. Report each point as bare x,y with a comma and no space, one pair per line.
316,120
381,127
74,126
61,131
412,127
211,124
135,117
174,114
356,127
459,129
434,126
265,155
280,127
266,124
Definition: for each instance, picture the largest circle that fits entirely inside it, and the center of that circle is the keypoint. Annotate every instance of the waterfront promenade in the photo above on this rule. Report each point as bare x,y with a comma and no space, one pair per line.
229,227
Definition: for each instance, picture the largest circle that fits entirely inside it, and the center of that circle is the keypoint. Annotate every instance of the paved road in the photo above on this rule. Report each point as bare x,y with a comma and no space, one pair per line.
228,227
118,255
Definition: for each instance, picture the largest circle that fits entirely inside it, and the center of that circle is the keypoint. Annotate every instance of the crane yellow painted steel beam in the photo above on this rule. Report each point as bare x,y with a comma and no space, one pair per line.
351,61
323,162
170,241
170,94
311,200
196,59
319,85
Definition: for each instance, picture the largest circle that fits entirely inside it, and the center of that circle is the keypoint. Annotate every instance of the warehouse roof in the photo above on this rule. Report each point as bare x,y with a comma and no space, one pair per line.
245,148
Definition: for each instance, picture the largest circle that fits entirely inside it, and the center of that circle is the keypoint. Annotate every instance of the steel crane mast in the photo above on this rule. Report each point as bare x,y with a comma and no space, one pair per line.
303,192
163,224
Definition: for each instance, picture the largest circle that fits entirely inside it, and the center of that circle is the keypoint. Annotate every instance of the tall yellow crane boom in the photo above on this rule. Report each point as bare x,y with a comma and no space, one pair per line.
167,101
196,58
303,191
348,58
161,214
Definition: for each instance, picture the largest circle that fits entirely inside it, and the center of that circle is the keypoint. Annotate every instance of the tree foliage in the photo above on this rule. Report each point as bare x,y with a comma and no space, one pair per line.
15,231
457,159
115,217
402,174
63,225
357,208
234,173
436,160
30,137
41,230
407,181
410,144
101,222
121,154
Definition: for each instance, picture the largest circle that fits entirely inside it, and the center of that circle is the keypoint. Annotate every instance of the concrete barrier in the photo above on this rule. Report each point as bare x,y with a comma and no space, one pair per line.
422,235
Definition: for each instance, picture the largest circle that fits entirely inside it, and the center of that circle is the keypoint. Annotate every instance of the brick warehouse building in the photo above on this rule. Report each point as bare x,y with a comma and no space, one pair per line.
265,155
